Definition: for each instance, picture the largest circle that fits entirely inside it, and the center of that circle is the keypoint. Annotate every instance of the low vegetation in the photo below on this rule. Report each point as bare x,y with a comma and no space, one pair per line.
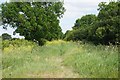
0,57
59,59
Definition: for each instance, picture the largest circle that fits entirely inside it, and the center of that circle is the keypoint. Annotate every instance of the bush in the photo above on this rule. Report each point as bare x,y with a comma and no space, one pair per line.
16,43
42,41
6,36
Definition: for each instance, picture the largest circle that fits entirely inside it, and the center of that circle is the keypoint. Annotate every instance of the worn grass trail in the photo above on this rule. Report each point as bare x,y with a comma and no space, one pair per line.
54,57
59,59
53,68
61,72
36,62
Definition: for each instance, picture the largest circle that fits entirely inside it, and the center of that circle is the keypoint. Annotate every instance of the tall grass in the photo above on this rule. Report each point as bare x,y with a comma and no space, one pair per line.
60,59
0,57
94,61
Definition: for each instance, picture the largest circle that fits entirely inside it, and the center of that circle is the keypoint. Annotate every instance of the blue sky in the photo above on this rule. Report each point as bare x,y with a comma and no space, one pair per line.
74,9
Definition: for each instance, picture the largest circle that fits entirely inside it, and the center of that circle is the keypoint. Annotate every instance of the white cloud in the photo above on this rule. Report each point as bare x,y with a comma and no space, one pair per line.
76,9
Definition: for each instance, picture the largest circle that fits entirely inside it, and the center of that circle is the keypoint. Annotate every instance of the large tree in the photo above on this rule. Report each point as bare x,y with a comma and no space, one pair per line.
109,22
34,20
85,21
82,28
104,28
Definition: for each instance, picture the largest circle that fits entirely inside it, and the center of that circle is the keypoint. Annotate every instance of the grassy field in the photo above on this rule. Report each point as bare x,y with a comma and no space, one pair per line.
59,59
0,58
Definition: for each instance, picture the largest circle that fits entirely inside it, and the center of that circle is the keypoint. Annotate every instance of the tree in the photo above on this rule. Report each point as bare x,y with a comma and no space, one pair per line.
103,28
85,21
82,28
34,20
108,29
6,36
69,35
0,16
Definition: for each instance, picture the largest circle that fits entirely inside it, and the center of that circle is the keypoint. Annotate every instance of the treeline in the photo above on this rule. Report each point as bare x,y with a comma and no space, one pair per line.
101,29
39,22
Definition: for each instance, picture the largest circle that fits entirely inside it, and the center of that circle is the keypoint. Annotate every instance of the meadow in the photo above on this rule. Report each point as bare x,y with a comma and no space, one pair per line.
0,57
58,59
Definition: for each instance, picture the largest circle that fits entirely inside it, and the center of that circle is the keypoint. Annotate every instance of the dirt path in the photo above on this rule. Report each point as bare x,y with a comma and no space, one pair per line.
63,72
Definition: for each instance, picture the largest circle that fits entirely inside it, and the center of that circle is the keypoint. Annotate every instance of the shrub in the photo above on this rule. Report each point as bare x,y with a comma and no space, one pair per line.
16,43
6,36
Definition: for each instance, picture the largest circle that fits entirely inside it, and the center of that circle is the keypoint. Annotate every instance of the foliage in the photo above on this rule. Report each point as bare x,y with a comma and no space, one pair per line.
103,28
54,42
0,42
16,43
108,22
6,36
83,29
68,35
34,20
60,59
85,21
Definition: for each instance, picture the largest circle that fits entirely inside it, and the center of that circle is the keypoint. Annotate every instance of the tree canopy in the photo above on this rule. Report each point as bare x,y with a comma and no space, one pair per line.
108,29
82,28
34,20
103,28
85,21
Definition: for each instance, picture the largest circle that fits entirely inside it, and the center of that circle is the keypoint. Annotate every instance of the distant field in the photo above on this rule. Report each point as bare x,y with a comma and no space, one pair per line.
59,59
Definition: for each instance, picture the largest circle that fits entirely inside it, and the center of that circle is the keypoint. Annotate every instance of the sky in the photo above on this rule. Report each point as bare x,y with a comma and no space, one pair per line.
74,9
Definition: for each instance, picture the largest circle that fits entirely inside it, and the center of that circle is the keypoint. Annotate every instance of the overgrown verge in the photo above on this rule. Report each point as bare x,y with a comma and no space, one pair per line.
91,61
14,44
59,59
